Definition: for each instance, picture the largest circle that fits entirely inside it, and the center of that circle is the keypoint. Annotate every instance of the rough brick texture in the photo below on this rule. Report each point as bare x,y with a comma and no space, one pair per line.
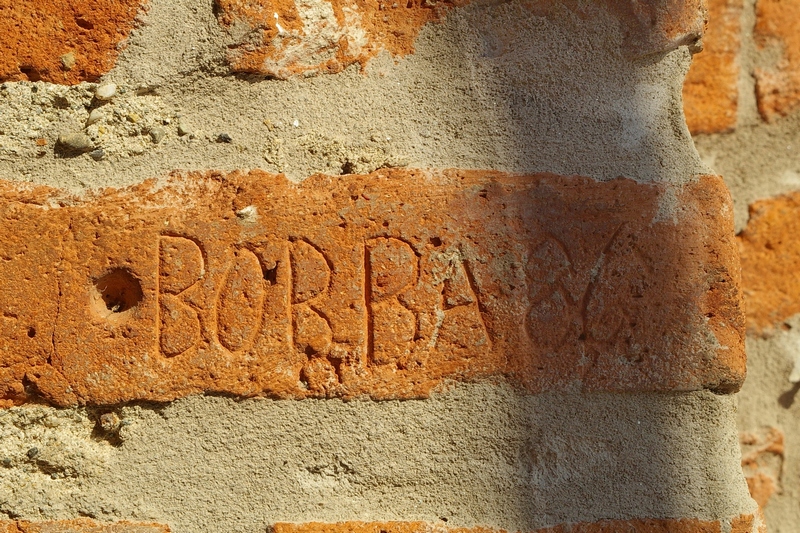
286,38
79,525
778,28
770,252
710,92
741,524
657,26
380,285
67,41
321,36
763,453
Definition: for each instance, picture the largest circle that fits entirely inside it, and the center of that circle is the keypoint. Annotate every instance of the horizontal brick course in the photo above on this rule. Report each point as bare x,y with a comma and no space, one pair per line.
67,42
778,28
79,525
710,92
741,524
321,36
379,285
318,36
72,41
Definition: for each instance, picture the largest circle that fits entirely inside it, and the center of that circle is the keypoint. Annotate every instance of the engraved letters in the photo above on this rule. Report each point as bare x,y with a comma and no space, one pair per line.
392,269
241,302
180,267
310,279
414,304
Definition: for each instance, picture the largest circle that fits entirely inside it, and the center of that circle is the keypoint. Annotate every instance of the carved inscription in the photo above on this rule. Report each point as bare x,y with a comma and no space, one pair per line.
392,270
240,303
382,285
310,280
598,307
180,267
460,328
406,312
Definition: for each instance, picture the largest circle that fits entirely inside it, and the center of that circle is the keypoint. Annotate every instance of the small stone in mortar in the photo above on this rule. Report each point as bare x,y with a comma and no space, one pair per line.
157,133
106,91
94,116
75,142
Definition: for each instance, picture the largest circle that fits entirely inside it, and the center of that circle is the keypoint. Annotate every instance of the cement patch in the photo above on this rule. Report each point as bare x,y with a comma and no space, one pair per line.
473,454
493,86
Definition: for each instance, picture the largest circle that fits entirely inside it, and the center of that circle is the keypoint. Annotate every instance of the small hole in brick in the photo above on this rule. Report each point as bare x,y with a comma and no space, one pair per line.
31,73
271,274
435,242
115,293
83,23
31,332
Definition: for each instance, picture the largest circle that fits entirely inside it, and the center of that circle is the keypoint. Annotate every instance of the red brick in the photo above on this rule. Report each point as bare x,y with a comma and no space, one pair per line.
79,525
657,26
382,285
778,27
741,524
711,91
770,252
762,462
36,34
292,38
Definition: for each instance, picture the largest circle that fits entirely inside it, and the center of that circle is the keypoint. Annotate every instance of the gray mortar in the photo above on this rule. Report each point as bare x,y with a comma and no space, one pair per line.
476,454
769,399
492,87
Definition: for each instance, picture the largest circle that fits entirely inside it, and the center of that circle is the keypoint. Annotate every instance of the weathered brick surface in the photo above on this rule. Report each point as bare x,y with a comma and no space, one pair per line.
295,37
68,41
660,25
710,92
741,524
762,462
286,38
770,252
79,525
778,27
380,285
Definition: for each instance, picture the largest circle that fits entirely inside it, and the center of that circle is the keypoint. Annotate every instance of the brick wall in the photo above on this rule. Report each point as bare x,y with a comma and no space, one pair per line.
741,100
382,267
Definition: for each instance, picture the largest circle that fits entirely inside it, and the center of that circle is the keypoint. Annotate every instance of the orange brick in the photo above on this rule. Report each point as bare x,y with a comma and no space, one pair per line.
778,27
711,92
657,26
381,285
762,462
376,527
79,525
647,26
68,41
319,36
770,252
741,524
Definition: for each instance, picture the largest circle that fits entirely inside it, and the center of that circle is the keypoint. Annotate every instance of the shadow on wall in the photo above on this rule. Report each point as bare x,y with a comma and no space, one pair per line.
567,93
